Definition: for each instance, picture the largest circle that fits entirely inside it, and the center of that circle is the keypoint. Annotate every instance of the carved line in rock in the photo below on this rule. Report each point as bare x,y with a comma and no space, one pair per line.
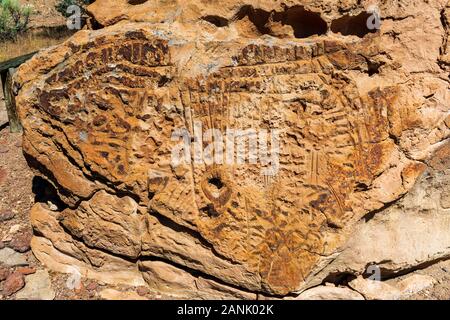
131,52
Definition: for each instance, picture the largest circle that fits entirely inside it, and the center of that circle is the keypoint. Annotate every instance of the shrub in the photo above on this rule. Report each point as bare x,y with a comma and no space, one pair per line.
13,19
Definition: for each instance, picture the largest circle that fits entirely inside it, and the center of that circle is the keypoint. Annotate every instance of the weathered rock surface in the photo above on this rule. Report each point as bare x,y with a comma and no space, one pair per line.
330,293
11,233
13,283
111,294
4,273
26,270
411,233
10,258
375,290
6,215
61,252
179,283
37,287
378,290
21,241
415,283
359,113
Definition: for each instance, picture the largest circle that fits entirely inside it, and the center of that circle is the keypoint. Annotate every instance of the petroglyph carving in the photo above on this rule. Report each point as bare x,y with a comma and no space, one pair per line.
109,101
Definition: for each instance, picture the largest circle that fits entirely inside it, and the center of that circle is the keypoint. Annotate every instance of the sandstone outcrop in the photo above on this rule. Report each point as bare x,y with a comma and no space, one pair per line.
360,113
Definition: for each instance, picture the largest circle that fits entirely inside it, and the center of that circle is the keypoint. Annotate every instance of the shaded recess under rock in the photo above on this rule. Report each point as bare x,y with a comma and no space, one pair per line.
360,114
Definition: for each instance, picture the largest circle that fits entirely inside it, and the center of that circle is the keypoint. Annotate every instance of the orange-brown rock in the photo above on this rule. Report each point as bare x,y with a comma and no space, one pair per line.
358,112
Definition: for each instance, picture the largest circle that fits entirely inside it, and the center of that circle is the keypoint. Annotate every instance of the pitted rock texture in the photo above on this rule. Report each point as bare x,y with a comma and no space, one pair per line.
358,113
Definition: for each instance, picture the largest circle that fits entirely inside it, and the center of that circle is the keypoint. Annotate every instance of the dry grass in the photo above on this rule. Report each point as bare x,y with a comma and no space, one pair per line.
33,41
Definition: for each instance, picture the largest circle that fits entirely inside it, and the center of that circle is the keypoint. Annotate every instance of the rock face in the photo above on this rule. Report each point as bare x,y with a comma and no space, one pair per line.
377,290
411,233
330,293
357,113
10,258
37,287
13,283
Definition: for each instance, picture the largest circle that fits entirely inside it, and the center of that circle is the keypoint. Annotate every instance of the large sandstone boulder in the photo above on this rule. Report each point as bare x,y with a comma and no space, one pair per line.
358,111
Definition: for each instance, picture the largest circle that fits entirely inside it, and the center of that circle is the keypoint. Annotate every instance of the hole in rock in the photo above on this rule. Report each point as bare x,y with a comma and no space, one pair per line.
95,25
352,25
257,16
217,21
361,186
339,278
163,81
304,23
210,211
373,67
45,192
216,183
136,2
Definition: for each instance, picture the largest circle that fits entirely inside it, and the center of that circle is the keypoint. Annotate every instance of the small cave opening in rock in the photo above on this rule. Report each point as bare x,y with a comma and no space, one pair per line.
45,192
303,22
258,17
339,278
373,68
353,25
136,2
216,183
361,187
94,24
91,21
217,21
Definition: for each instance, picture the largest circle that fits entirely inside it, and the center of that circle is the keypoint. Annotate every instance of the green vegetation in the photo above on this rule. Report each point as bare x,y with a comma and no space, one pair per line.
13,19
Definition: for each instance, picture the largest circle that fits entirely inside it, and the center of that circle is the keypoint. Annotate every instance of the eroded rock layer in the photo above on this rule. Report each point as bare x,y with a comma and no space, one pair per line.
356,113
